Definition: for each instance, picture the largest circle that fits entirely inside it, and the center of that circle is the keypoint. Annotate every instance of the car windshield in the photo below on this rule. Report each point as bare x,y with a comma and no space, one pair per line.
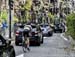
21,26
41,25
45,25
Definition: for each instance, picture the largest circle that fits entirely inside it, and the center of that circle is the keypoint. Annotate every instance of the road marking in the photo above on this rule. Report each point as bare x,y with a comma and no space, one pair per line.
22,55
64,37
44,37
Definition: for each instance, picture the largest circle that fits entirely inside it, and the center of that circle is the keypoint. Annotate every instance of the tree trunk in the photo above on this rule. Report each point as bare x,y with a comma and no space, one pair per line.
0,5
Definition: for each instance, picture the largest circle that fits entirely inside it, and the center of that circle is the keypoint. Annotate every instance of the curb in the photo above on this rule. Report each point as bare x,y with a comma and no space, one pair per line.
69,38
62,35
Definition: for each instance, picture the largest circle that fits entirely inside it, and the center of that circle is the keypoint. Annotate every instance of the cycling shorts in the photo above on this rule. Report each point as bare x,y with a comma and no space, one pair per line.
26,33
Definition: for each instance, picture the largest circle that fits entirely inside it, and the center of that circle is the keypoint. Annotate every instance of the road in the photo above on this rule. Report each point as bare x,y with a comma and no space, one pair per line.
54,46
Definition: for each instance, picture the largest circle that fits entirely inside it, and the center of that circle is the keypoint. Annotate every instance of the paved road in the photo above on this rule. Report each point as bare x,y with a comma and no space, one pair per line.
54,46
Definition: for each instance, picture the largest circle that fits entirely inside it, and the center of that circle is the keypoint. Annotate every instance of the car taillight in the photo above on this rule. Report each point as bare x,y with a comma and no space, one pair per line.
36,32
17,33
33,33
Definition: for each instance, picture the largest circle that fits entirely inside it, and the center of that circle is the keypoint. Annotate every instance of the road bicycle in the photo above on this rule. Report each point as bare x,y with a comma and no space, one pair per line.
24,43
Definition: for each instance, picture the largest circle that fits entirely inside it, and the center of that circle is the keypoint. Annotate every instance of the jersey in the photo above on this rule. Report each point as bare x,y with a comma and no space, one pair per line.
26,31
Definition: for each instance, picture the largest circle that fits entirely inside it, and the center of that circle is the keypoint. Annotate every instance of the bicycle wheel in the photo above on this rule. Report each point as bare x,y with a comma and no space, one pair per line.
24,47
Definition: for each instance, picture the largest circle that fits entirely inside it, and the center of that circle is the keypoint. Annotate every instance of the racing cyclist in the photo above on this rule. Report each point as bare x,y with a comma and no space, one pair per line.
27,30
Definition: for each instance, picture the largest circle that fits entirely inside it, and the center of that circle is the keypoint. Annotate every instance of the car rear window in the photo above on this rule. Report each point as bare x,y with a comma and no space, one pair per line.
41,25
33,26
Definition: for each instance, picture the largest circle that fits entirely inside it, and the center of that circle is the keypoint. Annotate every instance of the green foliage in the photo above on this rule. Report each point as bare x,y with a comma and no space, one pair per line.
28,4
71,25
4,15
51,17
26,7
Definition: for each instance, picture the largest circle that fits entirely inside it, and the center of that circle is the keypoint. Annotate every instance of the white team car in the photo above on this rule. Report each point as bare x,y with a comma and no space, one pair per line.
46,30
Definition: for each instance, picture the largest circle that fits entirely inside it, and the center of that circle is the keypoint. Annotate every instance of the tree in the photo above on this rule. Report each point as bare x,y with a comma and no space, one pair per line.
28,4
0,5
4,15
25,9
71,25
51,17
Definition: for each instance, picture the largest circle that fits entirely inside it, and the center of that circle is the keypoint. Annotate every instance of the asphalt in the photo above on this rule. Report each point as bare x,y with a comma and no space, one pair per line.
54,46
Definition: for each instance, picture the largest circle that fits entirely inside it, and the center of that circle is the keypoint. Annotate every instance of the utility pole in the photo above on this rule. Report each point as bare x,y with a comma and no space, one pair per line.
10,16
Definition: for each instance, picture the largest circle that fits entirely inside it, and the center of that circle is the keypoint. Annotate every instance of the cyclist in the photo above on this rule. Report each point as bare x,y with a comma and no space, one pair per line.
27,30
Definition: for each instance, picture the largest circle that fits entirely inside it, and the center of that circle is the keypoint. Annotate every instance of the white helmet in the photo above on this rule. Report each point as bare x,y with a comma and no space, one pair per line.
27,27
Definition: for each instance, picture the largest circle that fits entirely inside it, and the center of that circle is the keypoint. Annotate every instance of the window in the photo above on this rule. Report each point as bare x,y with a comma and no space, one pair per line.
52,1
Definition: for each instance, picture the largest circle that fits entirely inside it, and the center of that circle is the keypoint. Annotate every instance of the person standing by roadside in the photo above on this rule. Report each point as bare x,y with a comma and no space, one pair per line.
4,27
0,27
1,37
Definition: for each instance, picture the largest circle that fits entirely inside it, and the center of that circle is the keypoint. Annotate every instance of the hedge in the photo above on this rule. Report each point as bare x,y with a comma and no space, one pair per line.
71,25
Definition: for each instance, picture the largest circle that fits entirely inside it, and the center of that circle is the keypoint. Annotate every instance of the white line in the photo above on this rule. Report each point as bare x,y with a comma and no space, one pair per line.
22,55
45,37
64,37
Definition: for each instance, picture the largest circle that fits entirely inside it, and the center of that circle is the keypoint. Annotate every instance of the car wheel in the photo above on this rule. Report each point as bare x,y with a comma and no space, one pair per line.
55,31
42,40
16,43
50,34
38,43
61,31
9,53
12,51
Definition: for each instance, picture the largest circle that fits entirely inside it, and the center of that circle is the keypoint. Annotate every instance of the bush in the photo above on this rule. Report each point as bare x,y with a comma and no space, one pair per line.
71,25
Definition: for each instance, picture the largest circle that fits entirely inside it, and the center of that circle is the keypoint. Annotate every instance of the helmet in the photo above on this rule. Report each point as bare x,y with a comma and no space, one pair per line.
27,27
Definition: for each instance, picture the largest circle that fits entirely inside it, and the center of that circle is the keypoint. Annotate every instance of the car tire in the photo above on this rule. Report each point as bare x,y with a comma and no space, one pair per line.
12,54
9,52
54,31
16,43
38,43
50,34
61,31
42,40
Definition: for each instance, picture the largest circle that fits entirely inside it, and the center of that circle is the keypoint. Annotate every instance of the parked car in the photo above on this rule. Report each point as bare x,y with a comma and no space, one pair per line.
35,36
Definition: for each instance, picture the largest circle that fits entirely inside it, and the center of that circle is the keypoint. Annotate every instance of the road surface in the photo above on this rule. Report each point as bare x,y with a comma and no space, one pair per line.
54,46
